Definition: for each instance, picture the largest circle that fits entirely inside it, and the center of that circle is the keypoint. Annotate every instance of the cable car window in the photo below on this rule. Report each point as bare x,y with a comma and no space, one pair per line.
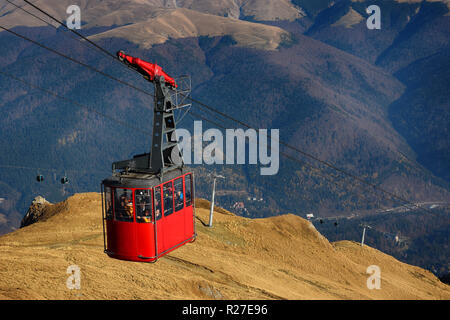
143,203
123,205
108,204
157,203
168,198
188,179
178,193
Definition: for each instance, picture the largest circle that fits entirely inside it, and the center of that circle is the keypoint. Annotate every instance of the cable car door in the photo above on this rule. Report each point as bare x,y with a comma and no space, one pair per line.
159,227
145,231
124,226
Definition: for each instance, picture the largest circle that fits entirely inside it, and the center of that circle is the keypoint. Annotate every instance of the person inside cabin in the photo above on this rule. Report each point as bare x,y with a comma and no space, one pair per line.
143,213
122,202
157,210
140,209
147,216
120,209
179,200
129,209
168,200
168,192
109,212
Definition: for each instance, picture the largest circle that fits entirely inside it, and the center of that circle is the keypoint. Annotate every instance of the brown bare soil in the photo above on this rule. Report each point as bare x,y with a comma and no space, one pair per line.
282,257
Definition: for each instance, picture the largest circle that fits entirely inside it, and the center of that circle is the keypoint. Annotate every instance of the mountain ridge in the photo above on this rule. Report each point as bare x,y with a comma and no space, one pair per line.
185,23
281,257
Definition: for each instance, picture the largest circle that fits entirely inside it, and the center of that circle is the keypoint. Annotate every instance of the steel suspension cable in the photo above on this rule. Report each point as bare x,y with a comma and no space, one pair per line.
90,109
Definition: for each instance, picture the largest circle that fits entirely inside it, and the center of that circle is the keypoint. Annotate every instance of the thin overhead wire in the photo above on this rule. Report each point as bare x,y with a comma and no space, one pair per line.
71,30
316,170
92,43
76,61
308,155
51,170
74,37
30,13
90,109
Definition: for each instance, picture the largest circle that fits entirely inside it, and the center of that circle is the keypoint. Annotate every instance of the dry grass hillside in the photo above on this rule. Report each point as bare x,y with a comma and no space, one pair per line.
130,11
185,23
283,257
149,22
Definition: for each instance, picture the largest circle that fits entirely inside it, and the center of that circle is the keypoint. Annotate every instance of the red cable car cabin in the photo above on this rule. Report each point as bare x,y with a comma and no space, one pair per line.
148,202
147,218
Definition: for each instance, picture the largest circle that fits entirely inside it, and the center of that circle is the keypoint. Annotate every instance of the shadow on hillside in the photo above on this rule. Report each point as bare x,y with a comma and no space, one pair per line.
203,223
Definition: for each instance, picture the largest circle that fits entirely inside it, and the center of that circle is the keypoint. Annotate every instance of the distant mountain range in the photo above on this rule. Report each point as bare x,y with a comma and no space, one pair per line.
410,235
373,102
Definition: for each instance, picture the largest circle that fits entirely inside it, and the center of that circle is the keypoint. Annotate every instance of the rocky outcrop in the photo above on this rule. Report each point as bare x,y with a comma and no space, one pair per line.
35,211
